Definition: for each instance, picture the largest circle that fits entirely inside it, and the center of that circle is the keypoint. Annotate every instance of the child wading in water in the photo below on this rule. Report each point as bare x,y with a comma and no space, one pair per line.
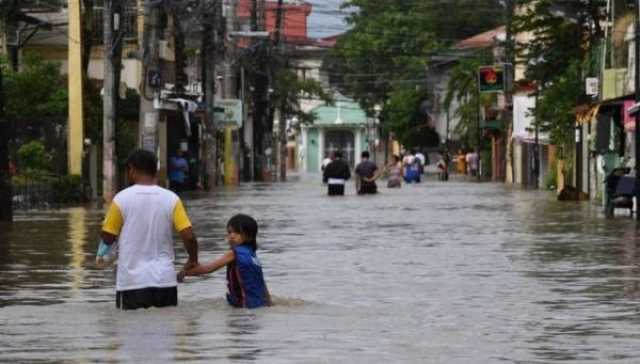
245,280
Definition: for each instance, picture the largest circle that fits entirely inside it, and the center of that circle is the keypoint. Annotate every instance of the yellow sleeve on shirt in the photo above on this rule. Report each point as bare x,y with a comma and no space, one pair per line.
180,219
113,221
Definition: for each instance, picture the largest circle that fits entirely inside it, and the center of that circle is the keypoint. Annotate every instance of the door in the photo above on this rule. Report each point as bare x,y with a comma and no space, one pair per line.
341,141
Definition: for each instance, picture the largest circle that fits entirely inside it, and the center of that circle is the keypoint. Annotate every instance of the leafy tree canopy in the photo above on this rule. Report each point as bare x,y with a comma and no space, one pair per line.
383,58
561,53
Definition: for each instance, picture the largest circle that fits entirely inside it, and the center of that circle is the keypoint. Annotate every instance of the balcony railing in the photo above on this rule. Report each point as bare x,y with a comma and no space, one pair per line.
128,24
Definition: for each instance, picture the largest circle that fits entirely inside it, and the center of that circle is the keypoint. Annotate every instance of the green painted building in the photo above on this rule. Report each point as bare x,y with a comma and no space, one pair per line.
342,127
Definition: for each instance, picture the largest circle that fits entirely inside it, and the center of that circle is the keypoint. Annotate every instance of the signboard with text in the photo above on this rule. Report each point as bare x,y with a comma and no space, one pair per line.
228,112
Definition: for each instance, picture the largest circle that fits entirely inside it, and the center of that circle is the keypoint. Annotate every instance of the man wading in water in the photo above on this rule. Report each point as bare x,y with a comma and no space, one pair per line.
365,173
142,218
336,175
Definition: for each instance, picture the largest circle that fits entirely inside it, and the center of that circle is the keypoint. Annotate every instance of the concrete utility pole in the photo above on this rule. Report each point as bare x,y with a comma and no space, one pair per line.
75,132
6,200
508,93
230,155
111,16
152,82
282,112
209,44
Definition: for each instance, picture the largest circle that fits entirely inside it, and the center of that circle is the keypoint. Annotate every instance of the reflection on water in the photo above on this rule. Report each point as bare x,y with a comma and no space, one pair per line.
78,235
441,272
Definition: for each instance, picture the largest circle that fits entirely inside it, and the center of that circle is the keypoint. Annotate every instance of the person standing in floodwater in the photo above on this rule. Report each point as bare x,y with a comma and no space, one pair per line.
365,173
245,280
336,174
141,218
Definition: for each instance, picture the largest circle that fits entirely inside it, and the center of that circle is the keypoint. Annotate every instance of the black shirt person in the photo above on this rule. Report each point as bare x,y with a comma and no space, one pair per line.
336,174
365,172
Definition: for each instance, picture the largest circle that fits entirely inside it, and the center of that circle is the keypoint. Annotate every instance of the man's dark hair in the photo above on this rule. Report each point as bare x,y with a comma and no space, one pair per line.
365,154
143,161
338,155
246,225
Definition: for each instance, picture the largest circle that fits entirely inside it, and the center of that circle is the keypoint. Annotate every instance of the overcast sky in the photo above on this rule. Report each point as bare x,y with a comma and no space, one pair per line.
325,19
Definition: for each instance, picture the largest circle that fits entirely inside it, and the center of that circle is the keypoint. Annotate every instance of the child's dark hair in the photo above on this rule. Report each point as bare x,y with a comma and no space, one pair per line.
246,225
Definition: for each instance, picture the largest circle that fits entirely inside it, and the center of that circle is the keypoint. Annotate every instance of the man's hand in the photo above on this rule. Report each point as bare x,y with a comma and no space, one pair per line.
190,264
180,276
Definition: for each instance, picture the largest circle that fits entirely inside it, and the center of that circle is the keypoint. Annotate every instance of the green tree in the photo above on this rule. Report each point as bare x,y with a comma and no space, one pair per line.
562,53
463,87
36,94
385,53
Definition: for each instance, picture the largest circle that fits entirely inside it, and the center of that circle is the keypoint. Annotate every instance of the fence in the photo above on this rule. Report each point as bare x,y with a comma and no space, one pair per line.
48,191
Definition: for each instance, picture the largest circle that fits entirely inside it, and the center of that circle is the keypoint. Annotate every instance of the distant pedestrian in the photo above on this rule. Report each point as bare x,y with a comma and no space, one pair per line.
461,162
141,219
424,160
365,172
412,168
245,279
395,172
443,167
178,172
336,174
472,160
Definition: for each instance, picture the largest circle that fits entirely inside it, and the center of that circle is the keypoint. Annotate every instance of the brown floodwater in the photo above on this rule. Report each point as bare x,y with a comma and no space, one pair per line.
455,272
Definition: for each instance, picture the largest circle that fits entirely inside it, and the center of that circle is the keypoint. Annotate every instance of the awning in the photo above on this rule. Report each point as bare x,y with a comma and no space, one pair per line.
586,113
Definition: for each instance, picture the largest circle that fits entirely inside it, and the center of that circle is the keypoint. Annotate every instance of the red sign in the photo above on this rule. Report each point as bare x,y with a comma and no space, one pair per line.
628,120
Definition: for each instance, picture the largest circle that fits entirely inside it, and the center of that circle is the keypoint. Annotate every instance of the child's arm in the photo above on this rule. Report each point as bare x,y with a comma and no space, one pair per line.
269,301
212,266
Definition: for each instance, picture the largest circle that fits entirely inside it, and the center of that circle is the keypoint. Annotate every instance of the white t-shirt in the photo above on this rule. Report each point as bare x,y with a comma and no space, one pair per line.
408,159
143,218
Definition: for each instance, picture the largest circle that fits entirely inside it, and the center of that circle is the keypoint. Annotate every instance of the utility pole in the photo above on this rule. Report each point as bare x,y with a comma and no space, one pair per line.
230,165
152,82
479,131
508,93
111,16
637,94
209,44
6,199
261,84
75,132
282,112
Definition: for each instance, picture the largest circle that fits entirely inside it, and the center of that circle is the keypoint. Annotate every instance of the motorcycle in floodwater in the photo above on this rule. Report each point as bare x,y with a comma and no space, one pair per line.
620,189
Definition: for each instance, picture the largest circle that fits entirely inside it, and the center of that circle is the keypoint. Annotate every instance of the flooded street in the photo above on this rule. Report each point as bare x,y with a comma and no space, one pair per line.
455,272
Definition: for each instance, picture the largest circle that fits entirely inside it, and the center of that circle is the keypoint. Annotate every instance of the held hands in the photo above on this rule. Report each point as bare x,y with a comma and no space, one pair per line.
189,265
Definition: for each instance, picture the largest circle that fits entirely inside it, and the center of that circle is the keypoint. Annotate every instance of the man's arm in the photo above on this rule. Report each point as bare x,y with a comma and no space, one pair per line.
108,238
112,224
182,224
191,246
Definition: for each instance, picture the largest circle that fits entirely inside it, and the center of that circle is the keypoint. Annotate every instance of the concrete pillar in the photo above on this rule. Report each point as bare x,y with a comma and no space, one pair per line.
358,146
75,133
304,148
162,151
321,133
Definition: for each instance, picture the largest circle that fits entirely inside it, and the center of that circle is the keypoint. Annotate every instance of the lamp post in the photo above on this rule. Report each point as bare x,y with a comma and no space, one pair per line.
637,94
